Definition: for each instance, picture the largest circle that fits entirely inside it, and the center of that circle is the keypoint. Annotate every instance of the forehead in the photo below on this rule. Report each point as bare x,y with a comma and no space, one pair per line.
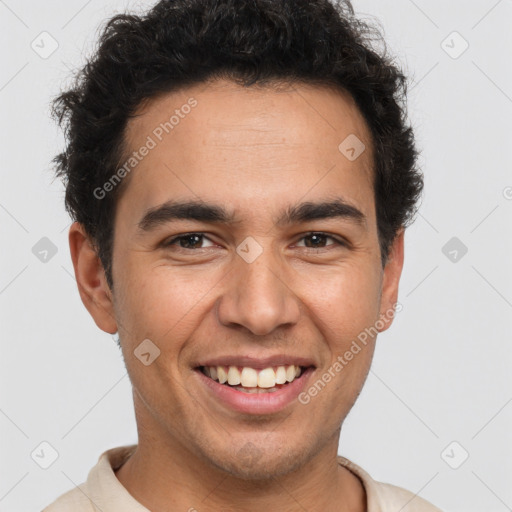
223,142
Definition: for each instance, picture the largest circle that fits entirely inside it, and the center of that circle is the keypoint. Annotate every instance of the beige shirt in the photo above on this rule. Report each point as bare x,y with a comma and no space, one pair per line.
103,492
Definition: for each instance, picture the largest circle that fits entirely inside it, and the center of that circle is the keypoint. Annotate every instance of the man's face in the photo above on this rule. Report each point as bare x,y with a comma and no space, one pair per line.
257,289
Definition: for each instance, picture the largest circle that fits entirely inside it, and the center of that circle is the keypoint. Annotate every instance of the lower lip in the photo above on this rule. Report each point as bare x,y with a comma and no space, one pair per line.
256,403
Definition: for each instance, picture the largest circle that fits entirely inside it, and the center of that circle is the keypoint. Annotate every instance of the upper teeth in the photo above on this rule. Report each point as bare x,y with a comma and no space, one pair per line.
249,377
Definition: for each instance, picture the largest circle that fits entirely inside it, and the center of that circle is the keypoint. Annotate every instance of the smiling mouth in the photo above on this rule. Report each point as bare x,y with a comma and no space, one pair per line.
251,380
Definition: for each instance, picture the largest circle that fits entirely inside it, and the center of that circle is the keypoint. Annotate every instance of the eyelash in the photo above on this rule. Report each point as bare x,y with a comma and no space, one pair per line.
337,241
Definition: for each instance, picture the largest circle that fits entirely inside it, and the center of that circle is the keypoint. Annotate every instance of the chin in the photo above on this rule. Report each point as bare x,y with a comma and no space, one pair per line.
255,462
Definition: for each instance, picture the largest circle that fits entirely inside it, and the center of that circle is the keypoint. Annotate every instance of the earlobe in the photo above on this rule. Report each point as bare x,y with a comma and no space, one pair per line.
391,281
90,277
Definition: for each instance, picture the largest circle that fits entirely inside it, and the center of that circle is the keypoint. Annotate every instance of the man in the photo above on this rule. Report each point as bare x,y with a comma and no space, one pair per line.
240,175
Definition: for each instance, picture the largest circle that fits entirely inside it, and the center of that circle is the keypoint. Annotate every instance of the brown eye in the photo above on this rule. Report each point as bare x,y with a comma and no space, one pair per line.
318,241
190,241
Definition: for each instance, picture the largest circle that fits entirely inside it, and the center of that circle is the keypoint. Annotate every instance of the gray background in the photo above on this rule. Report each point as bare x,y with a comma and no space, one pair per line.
440,375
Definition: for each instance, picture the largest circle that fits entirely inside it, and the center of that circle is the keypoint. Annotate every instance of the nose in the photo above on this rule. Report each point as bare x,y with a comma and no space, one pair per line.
258,298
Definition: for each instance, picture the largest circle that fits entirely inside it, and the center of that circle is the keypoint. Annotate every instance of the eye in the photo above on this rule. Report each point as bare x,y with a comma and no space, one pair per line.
318,241
193,241
190,241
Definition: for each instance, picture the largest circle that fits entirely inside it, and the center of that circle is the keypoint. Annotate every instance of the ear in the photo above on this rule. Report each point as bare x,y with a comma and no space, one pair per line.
390,282
90,277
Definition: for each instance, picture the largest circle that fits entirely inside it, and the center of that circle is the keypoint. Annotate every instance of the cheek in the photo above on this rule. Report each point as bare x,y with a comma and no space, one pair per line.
164,308
344,301
344,312
155,301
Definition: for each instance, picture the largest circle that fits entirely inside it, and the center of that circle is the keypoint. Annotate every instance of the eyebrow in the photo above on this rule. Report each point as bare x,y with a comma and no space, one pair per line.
309,211
216,214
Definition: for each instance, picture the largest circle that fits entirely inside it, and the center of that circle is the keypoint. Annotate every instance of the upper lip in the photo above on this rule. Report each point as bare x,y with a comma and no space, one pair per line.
257,362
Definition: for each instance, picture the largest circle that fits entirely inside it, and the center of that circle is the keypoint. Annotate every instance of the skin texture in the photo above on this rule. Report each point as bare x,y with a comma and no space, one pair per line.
255,151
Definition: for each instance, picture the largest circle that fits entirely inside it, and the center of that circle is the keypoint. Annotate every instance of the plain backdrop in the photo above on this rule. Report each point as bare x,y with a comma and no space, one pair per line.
435,415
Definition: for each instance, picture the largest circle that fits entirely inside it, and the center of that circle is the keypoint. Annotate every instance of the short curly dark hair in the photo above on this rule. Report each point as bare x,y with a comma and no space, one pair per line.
185,42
